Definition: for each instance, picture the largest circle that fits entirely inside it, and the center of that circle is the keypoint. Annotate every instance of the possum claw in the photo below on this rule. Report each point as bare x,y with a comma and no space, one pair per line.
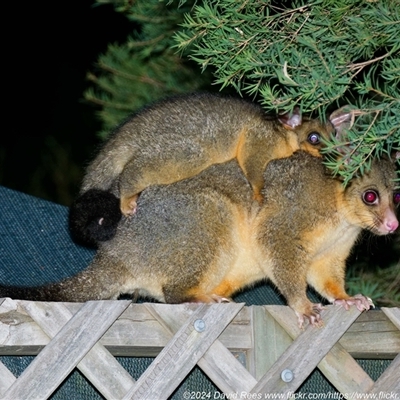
314,316
210,298
220,299
361,302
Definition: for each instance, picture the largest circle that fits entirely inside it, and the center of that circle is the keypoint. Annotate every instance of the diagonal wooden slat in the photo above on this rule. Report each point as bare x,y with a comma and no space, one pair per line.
99,366
389,381
218,362
183,352
269,342
6,379
228,374
393,314
338,365
306,352
65,351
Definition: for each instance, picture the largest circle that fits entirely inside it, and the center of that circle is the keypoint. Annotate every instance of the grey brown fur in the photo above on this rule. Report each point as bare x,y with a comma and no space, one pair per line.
177,139
206,238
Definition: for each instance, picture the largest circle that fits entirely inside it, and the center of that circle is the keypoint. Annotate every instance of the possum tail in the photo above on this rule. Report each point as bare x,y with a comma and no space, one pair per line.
100,281
94,217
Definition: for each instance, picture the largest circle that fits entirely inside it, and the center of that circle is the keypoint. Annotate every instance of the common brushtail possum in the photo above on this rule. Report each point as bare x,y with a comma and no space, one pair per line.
205,238
176,139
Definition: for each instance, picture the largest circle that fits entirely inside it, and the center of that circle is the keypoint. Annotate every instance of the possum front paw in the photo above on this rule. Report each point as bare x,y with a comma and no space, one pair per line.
312,313
362,303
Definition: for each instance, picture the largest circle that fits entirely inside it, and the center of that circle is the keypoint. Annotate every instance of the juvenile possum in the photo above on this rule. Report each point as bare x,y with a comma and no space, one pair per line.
205,238
176,139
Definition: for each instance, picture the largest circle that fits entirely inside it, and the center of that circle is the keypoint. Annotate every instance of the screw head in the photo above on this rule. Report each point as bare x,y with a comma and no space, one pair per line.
287,375
199,325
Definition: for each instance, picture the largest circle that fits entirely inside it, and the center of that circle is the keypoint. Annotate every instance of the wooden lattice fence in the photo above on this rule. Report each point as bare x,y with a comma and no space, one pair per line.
244,350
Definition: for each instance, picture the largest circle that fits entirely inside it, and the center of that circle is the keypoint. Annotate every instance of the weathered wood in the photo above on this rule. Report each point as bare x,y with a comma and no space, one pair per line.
65,351
269,342
183,352
389,381
393,314
338,365
99,366
369,336
259,332
217,362
135,333
6,379
228,374
306,352
138,333
19,334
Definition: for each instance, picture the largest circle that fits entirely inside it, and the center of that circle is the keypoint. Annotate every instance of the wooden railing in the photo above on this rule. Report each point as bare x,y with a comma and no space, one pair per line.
245,351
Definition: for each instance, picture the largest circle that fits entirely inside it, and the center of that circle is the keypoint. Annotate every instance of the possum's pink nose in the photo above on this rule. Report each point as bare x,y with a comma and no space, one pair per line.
389,223
392,225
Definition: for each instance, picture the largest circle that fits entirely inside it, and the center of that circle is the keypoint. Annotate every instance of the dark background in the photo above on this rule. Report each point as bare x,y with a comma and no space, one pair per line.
50,135
49,131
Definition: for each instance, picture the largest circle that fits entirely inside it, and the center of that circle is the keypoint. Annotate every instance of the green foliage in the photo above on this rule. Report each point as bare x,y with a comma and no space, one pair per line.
313,54
144,68
319,55
375,133
380,284
374,270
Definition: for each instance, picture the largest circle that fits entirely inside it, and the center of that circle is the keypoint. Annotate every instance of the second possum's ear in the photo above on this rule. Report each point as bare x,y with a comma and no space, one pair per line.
343,119
291,120
395,156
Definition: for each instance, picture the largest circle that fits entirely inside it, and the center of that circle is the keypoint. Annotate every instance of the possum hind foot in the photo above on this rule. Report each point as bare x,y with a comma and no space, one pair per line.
128,205
312,314
210,298
362,303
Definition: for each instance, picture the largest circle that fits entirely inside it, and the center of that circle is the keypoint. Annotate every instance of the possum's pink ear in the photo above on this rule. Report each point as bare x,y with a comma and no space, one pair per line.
343,119
291,120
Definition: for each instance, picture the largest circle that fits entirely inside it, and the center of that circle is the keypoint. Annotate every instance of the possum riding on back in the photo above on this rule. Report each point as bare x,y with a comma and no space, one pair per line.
178,138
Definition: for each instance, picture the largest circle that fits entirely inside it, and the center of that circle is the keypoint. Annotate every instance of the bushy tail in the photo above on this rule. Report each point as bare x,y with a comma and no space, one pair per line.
102,280
94,217
39,293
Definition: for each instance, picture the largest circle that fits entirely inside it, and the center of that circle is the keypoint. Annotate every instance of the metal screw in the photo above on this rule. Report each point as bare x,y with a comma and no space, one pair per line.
199,325
287,375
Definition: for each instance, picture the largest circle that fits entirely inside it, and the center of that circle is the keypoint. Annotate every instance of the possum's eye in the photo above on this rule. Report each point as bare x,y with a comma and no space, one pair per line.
396,198
313,138
370,197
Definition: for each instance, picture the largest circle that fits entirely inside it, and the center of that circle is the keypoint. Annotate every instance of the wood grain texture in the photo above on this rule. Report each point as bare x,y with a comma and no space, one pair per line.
218,363
65,351
99,366
338,366
183,352
389,381
306,352
138,333
86,335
